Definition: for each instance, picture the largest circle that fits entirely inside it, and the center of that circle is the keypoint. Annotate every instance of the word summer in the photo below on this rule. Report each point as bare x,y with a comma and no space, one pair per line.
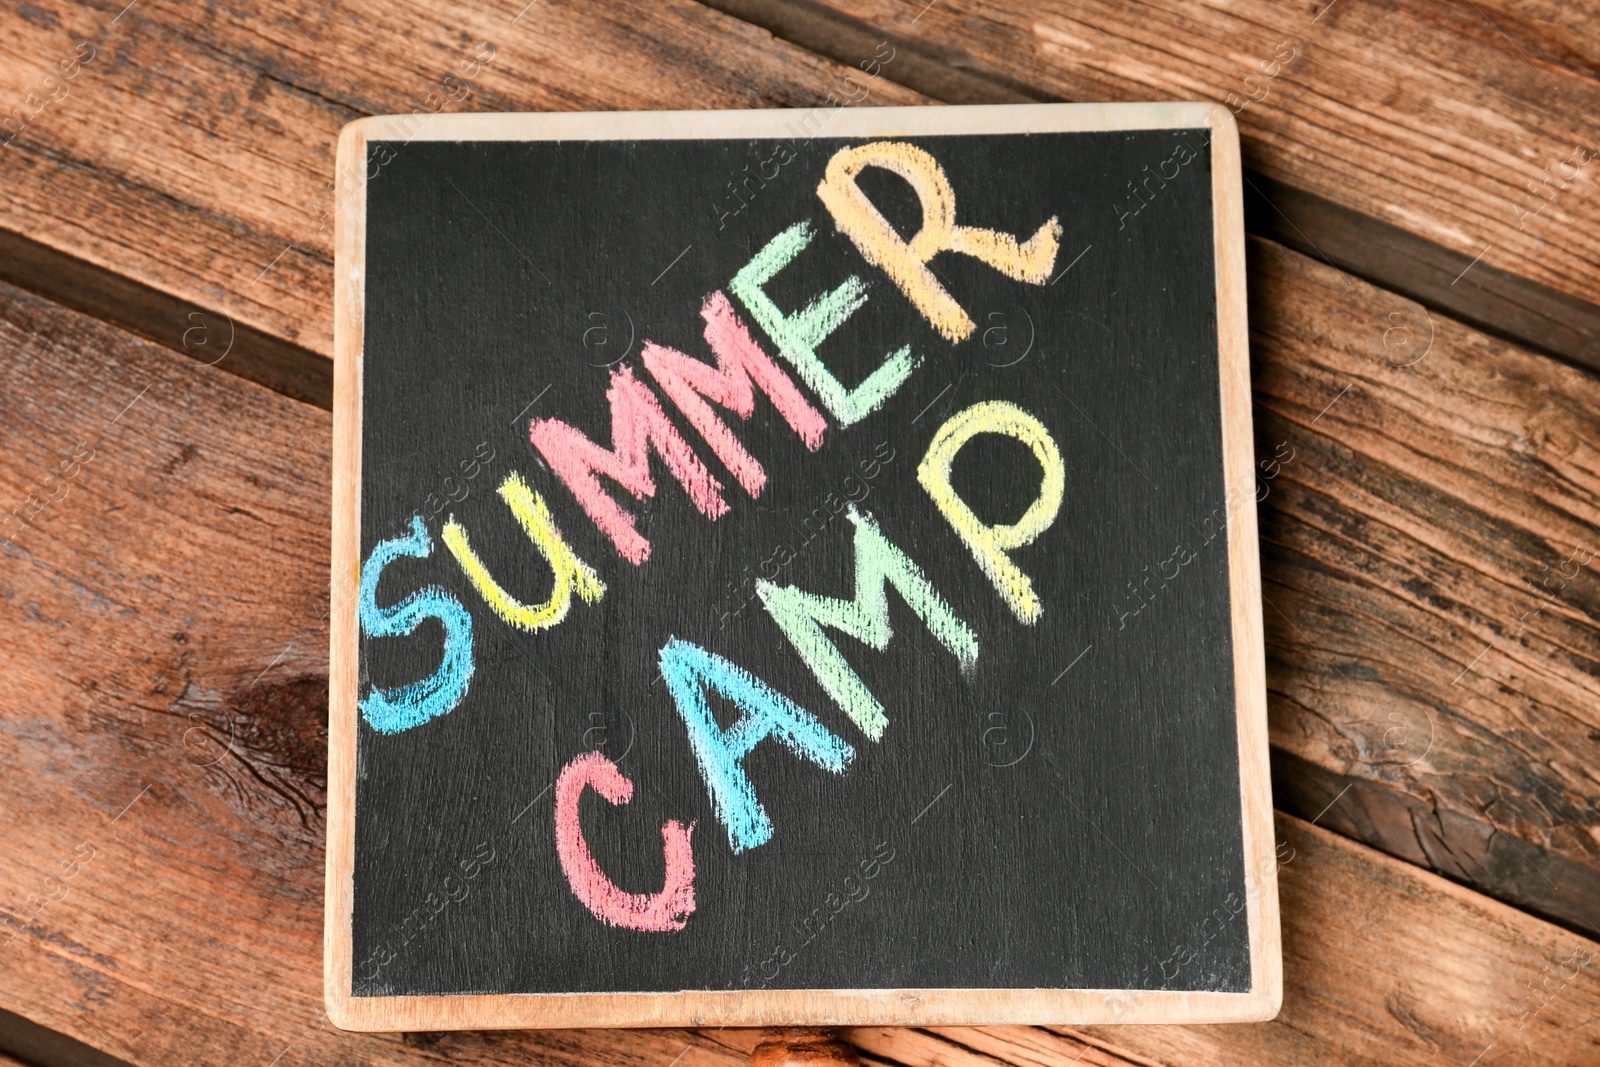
641,425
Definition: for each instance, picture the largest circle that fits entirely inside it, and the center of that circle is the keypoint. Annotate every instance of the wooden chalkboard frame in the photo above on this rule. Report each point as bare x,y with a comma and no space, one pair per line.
877,1007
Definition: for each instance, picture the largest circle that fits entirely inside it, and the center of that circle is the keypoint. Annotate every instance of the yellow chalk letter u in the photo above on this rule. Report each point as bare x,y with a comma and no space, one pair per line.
571,573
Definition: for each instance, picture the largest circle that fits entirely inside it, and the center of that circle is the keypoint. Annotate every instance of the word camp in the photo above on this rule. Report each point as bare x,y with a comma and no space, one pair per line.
641,427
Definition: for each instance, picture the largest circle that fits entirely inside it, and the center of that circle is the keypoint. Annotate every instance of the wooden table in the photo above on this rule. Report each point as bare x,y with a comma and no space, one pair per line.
1425,229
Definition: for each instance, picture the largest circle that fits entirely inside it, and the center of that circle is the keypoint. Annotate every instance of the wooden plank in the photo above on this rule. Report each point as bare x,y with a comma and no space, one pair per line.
1383,964
181,541
164,734
210,337
191,149
1343,148
1390,965
1025,1046
1485,297
35,1046
1429,590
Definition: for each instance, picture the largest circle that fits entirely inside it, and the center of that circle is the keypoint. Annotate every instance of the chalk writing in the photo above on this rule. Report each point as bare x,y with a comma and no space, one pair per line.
656,912
572,575
907,262
741,367
392,710
809,526
989,544
798,335
638,424
642,429
690,671
879,564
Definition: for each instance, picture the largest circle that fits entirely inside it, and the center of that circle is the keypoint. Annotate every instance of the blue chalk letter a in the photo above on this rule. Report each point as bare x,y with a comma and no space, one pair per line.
390,711
690,670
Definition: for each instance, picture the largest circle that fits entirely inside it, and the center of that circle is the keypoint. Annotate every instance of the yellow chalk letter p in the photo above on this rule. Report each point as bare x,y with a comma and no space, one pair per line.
857,217
989,544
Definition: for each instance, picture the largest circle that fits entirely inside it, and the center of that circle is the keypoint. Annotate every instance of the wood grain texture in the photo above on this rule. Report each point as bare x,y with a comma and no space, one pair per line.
1343,143
164,705
1489,299
194,151
1379,980
170,599
1382,965
1429,593
208,336
1024,1046
803,1048
35,1046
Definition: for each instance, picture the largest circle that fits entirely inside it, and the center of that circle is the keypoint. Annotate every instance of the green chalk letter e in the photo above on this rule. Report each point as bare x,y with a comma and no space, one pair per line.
797,336
879,564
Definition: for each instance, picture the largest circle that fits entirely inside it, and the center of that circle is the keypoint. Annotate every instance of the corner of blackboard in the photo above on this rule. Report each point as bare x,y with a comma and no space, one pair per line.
1221,122
352,134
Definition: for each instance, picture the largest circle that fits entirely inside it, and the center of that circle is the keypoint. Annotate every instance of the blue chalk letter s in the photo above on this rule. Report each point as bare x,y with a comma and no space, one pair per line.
389,711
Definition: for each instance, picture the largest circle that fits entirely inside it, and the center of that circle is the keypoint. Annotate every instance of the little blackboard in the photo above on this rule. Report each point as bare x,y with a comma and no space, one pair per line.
796,568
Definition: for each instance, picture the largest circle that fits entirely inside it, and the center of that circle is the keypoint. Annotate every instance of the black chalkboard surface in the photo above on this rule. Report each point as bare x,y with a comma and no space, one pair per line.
796,567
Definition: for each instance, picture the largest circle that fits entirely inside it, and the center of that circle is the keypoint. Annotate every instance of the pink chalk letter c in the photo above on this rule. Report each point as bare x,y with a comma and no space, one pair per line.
660,912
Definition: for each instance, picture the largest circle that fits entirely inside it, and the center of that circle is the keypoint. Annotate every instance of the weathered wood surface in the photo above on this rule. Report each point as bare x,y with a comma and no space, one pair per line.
1479,294
1399,140
210,337
281,122
1429,562
1408,968
1431,639
164,695
35,1046
167,651
192,149
191,153
1382,964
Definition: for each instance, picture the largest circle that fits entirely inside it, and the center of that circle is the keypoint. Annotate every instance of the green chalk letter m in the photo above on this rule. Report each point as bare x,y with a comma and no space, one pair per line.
879,564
